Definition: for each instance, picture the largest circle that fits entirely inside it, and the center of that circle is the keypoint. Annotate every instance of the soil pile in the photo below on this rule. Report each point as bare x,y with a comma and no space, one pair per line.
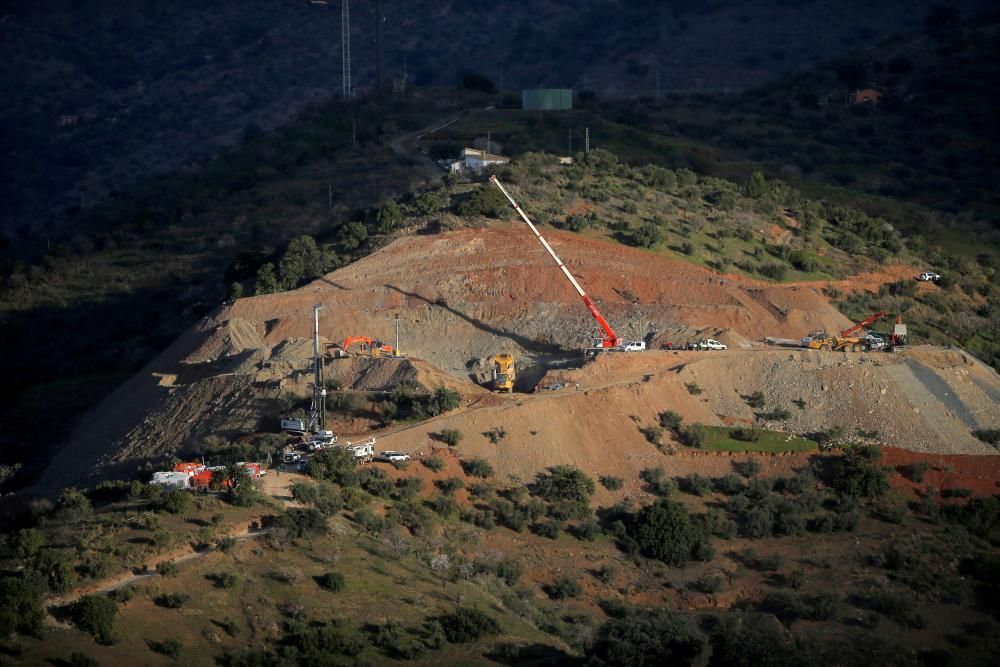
463,296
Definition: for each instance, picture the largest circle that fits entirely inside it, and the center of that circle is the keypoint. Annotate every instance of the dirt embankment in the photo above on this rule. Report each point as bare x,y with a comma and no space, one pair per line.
464,296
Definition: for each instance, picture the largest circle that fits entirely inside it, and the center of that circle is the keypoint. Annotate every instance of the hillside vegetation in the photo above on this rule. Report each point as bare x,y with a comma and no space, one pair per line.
930,139
439,561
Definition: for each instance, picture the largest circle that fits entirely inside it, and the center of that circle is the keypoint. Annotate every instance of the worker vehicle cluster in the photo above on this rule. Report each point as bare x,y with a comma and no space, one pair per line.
858,338
197,475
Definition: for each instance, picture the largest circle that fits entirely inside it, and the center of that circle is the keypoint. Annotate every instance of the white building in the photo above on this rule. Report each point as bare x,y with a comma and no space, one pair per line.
474,159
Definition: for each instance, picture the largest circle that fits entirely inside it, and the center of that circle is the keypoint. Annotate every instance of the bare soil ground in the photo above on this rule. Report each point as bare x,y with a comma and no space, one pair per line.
463,296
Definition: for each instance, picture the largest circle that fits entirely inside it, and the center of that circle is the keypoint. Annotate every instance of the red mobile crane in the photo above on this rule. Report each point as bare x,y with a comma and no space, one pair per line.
609,339
863,324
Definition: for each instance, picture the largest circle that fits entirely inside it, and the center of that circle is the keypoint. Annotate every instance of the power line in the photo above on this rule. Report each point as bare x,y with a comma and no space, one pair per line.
345,47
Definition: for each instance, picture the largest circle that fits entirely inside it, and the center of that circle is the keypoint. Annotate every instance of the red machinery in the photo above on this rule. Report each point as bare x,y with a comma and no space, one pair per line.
609,339
375,347
863,324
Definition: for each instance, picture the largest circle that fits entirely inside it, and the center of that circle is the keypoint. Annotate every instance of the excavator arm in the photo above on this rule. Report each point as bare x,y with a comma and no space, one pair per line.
351,340
609,338
863,324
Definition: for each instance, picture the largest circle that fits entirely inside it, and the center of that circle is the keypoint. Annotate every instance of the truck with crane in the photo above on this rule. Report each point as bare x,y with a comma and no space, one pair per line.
609,340
858,338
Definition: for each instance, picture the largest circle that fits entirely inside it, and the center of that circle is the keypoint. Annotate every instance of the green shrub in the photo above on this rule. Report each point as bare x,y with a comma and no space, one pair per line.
563,588
612,483
226,580
914,471
444,505
388,216
168,647
495,435
450,436
166,568
21,608
648,637
606,574
334,465
778,414
696,484
694,435
407,488
653,434
95,615
899,608
564,482
856,475
670,419
646,235
172,600
332,581
77,659
586,530
177,501
450,485
433,463
477,468
300,522
693,388
988,435
729,485
773,271
755,400
666,531
748,434
376,482
486,200
549,529
465,624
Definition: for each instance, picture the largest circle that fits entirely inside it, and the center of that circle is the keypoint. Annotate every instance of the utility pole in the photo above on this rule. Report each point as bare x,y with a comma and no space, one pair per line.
500,105
329,200
317,411
586,140
345,47
569,141
378,47
397,334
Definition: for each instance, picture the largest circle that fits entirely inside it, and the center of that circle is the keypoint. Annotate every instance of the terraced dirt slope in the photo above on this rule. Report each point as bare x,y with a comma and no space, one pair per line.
466,295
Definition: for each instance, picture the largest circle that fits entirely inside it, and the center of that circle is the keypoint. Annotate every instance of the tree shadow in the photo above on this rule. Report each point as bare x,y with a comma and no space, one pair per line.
524,342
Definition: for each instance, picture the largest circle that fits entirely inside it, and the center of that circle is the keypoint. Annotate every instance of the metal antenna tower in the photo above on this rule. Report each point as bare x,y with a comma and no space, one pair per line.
317,410
345,46
378,47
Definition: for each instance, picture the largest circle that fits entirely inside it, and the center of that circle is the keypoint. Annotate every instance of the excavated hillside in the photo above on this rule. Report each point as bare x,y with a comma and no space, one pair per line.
464,296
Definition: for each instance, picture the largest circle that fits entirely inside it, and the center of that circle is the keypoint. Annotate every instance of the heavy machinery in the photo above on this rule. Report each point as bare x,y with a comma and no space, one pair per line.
609,340
857,338
503,372
375,348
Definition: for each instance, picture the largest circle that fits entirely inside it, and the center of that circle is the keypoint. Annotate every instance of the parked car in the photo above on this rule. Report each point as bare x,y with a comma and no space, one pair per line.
710,344
392,457
929,276
633,346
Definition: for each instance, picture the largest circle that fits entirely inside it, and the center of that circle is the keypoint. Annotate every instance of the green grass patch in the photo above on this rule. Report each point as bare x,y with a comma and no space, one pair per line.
720,438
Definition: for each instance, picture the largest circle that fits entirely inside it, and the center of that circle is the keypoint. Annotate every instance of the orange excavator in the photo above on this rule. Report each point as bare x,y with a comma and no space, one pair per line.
609,340
375,348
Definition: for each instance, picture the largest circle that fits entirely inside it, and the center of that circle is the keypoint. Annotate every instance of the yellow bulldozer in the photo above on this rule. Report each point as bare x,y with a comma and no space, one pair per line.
823,341
503,372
